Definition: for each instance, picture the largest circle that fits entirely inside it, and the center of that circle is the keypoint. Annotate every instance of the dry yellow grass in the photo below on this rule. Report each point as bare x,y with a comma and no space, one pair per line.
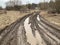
10,17
51,18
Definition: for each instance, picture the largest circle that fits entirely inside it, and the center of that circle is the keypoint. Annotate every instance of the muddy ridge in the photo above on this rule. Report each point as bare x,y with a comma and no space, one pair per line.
32,29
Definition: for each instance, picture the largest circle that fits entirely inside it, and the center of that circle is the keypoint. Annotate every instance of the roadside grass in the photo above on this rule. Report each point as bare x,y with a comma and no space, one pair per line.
10,17
53,18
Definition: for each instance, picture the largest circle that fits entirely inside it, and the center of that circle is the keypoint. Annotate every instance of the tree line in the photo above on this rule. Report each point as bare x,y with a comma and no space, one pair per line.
54,5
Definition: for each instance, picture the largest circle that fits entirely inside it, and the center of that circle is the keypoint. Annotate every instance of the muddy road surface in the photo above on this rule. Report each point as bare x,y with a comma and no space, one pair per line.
30,30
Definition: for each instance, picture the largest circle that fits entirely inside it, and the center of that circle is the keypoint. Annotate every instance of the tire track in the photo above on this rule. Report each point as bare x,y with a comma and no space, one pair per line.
30,30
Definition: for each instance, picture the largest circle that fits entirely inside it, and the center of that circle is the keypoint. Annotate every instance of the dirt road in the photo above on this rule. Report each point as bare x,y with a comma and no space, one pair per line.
31,30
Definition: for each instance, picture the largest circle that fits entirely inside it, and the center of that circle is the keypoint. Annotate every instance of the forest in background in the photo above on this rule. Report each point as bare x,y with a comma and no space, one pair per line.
53,6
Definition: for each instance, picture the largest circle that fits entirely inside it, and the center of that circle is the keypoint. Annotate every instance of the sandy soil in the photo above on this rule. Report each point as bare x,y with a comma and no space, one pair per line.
53,18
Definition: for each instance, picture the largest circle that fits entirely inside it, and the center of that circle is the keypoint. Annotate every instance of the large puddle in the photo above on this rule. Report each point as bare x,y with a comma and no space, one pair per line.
38,18
30,38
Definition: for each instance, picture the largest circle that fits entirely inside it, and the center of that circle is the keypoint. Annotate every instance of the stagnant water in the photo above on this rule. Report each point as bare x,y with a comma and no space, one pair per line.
30,38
